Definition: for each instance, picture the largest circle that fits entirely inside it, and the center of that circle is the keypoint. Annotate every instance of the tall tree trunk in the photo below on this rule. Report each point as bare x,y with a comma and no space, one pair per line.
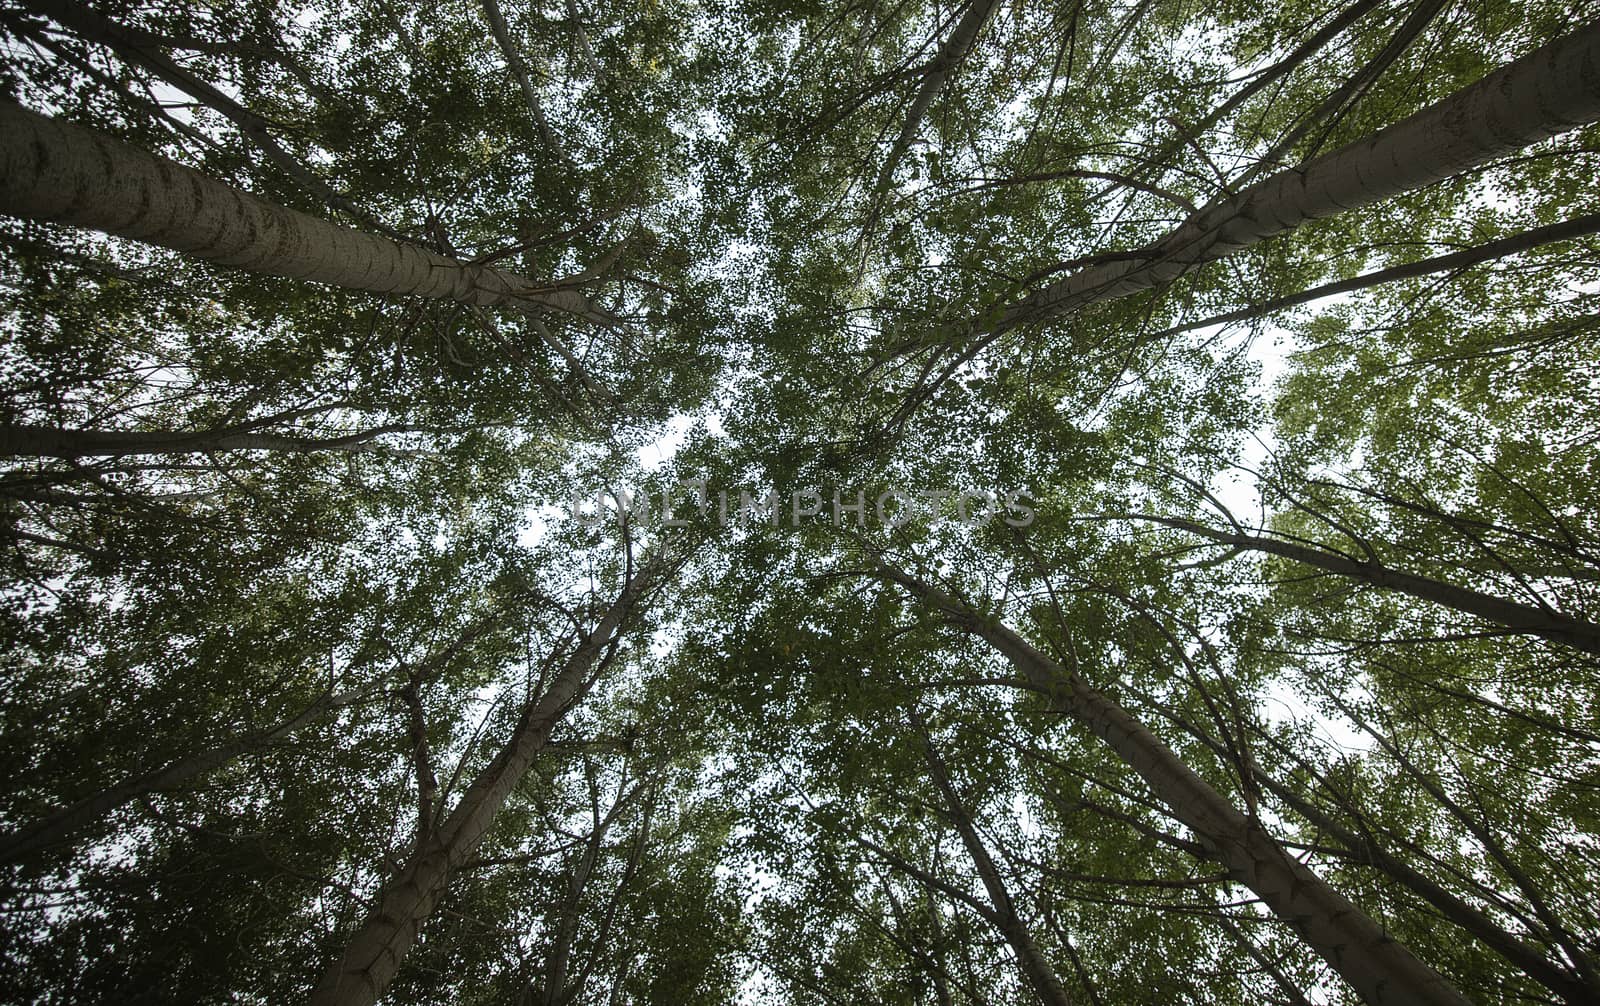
1364,850
1521,618
56,171
1489,251
519,69
952,51
372,957
1379,968
1035,969
140,49
50,442
60,825
1550,91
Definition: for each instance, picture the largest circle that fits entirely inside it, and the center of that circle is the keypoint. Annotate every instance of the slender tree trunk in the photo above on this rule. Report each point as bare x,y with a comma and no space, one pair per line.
59,826
1487,840
1522,618
953,50
519,70
1364,849
372,957
1422,14
1379,968
1476,255
1035,969
50,442
56,171
1267,78
1291,991
608,918
559,963
1550,91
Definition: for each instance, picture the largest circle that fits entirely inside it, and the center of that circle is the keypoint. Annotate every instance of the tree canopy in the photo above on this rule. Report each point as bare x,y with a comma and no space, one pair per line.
779,502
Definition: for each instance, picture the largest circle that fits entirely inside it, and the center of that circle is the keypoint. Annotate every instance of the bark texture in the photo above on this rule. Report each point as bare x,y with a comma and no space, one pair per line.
370,960
1381,970
61,172
1522,618
1550,91
1466,258
951,53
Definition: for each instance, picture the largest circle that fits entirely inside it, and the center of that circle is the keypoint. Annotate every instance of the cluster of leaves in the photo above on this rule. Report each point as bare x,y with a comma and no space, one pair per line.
246,678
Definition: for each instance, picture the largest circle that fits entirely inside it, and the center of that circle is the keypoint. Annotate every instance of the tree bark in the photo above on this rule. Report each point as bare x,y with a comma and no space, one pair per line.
519,70
60,825
1364,850
373,955
1379,968
57,171
1550,91
50,442
1035,969
139,49
1476,255
1520,618
951,53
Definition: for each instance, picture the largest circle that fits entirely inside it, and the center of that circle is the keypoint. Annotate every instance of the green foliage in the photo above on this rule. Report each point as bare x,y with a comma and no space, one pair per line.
280,663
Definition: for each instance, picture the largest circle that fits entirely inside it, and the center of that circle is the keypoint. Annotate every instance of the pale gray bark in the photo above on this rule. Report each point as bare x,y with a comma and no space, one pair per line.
1550,91
137,48
1035,969
1379,968
373,955
1489,251
519,69
1521,618
951,53
56,171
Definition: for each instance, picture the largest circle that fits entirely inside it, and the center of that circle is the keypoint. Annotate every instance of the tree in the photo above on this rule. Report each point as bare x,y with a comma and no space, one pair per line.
708,502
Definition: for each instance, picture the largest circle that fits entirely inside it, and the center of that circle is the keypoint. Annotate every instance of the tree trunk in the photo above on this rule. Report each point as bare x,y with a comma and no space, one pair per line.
58,826
139,49
558,965
1035,969
1467,257
519,70
1364,850
50,442
1551,90
56,171
1521,618
1380,969
951,53
372,957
